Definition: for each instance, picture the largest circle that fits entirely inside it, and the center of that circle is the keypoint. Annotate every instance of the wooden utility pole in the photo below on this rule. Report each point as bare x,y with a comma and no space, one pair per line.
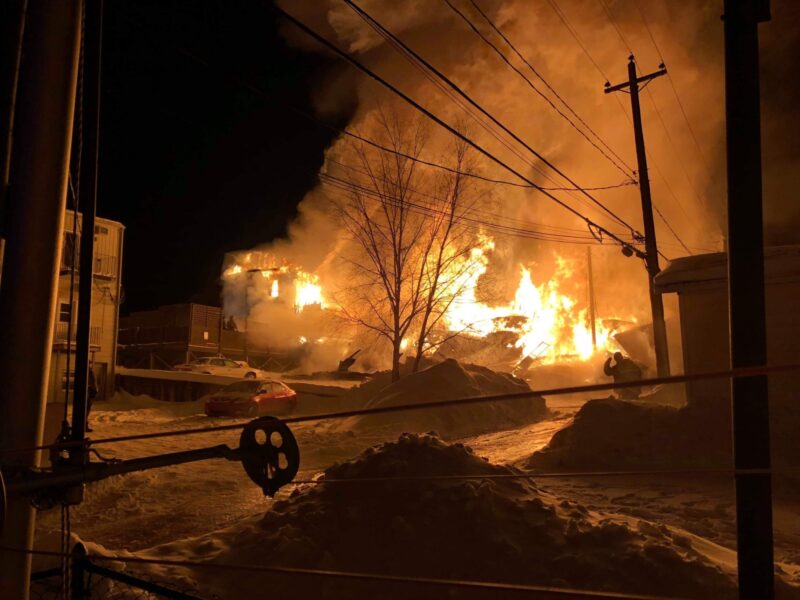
590,282
747,306
651,248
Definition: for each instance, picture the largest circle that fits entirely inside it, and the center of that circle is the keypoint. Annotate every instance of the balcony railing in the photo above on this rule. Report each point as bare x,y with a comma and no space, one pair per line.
60,334
105,265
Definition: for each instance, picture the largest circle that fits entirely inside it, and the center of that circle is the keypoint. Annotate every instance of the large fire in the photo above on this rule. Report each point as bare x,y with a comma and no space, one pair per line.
548,324
306,286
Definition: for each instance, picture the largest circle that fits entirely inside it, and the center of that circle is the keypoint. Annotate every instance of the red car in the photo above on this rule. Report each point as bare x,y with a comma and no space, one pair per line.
252,398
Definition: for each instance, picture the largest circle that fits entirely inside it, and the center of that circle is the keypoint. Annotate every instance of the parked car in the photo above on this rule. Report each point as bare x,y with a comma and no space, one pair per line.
218,365
252,398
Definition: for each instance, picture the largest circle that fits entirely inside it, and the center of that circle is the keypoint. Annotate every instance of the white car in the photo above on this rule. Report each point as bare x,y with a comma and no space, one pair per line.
217,365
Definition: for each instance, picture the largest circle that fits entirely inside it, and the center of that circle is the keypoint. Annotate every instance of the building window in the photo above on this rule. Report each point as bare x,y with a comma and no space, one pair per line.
64,312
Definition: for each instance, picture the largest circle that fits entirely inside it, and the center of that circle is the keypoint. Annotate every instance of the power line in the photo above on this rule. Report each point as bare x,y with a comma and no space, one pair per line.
344,55
614,25
488,213
474,223
534,476
561,15
672,231
532,86
625,43
674,89
675,152
314,119
573,32
626,183
449,128
649,32
629,172
353,575
598,387
426,68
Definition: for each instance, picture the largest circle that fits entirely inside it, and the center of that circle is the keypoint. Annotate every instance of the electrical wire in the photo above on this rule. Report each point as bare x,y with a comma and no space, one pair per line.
614,158
672,85
523,143
598,387
674,91
468,221
521,222
672,231
544,475
675,152
361,67
616,28
495,586
426,68
588,54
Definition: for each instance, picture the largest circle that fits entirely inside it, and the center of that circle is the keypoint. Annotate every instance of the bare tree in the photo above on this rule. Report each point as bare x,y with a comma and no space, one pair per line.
450,242
379,209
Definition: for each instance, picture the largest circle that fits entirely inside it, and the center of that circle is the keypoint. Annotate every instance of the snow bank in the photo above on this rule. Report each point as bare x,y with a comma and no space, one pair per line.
618,434
504,530
444,381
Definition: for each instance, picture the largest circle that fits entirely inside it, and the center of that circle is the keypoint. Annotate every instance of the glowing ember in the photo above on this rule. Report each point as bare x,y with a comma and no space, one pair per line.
274,289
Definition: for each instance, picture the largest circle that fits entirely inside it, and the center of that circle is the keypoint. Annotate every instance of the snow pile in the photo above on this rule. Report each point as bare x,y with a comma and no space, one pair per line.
619,434
501,530
124,407
447,380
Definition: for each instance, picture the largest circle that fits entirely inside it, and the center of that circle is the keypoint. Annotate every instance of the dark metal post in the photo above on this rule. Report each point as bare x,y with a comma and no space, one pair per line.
590,281
33,224
93,35
77,587
750,408
651,247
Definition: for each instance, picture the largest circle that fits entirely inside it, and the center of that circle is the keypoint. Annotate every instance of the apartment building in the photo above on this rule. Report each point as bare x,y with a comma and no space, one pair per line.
106,298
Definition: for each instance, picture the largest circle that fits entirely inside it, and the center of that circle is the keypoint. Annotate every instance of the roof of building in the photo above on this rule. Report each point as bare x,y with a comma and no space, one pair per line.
781,265
97,219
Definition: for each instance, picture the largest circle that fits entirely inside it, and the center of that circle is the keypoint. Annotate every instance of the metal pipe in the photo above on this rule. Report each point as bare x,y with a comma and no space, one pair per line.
34,220
747,305
93,37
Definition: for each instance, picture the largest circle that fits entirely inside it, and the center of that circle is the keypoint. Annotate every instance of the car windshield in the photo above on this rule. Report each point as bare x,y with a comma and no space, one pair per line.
243,386
201,361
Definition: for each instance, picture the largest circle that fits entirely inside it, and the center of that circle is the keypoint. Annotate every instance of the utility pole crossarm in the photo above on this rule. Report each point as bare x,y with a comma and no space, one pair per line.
638,81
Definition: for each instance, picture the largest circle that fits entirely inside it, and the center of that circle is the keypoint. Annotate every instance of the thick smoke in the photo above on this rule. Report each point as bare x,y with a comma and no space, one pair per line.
687,182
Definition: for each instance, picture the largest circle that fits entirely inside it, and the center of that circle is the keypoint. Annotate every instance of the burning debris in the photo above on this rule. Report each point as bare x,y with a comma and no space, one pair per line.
541,325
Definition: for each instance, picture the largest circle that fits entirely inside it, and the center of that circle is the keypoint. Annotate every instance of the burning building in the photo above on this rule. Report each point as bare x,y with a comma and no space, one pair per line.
547,319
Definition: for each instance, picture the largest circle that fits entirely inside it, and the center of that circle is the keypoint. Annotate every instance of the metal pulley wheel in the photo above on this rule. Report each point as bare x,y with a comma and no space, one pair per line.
269,453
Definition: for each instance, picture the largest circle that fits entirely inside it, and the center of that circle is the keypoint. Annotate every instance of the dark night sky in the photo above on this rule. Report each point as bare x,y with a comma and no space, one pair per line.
192,162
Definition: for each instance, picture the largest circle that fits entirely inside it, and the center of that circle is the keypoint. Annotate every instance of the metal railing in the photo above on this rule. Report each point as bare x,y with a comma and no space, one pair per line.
62,329
105,265
90,581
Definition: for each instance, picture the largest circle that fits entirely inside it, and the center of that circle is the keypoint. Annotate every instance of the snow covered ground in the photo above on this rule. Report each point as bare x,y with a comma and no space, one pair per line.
203,511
